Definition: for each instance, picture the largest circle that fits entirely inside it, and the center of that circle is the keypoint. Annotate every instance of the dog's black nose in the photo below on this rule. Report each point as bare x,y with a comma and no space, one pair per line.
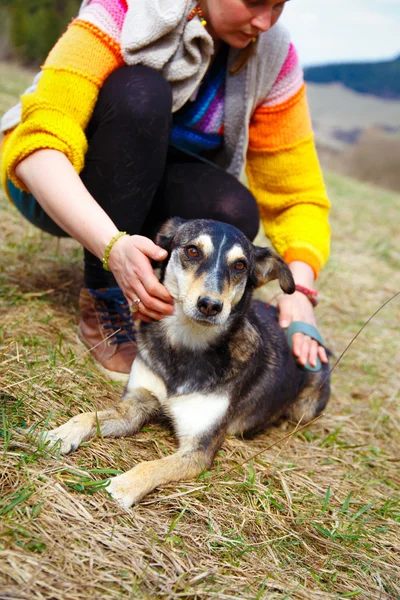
209,307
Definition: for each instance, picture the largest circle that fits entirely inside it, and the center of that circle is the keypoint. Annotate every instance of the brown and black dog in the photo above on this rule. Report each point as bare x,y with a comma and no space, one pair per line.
219,365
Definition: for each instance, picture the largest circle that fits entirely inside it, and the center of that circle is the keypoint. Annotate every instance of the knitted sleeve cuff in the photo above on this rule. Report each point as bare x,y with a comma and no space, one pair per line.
307,255
45,128
299,233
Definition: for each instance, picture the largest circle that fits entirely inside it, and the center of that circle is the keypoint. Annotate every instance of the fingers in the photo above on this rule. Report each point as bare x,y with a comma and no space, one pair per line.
142,312
298,308
143,317
313,353
130,264
322,354
155,289
306,349
150,305
149,248
301,348
285,311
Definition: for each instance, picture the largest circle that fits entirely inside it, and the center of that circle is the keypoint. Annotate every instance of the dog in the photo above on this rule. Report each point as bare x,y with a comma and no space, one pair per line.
220,364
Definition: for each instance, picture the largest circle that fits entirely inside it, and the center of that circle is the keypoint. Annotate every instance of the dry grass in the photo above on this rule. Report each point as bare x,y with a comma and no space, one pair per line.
315,516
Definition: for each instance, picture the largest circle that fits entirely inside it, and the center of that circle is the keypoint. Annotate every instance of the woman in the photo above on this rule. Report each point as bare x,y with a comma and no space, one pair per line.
152,109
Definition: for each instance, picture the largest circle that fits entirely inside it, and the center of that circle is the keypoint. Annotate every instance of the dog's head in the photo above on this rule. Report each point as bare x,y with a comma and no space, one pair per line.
212,267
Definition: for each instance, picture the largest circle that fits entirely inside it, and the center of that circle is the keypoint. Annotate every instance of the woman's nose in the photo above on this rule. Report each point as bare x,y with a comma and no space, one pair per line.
263,21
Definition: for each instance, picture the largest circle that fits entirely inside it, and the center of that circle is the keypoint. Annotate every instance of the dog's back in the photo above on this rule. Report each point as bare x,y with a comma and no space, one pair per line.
277,386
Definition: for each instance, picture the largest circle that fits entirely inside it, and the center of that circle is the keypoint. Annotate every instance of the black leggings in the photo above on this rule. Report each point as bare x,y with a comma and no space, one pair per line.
139,179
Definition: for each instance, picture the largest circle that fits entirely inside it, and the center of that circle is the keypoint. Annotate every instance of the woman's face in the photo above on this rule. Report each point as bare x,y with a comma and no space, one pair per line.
237,22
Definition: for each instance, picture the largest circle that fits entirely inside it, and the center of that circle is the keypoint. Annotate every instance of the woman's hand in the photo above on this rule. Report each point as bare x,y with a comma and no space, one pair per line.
131,267
297,307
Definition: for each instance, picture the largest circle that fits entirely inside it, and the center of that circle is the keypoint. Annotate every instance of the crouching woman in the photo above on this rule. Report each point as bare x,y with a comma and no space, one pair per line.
151,109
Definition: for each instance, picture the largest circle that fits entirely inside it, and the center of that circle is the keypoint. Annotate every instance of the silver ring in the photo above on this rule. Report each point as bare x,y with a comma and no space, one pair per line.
135,305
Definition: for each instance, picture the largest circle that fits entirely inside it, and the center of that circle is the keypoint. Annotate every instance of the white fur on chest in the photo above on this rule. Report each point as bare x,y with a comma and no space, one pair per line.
192,414
195,414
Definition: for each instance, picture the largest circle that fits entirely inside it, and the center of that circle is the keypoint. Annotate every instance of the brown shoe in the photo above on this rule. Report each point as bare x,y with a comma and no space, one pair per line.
106,328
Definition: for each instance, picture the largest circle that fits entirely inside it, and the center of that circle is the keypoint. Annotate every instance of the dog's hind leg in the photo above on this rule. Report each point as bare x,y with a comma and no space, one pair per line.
312,399
190,460
135,409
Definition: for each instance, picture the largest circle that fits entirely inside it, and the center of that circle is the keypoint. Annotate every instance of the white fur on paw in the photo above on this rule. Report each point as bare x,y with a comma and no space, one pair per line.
121,490
67,434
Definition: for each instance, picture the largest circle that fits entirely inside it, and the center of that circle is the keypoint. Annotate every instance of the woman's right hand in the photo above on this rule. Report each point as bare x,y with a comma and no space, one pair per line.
129,262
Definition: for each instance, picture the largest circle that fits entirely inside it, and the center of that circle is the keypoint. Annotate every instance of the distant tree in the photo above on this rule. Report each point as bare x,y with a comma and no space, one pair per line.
35,25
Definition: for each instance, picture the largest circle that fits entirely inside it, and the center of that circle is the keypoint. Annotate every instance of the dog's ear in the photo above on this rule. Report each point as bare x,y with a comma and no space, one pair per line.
167,232
269,266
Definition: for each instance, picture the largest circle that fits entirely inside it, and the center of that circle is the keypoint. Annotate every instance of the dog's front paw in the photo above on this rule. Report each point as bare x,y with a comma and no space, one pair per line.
125,490
68,439
71,434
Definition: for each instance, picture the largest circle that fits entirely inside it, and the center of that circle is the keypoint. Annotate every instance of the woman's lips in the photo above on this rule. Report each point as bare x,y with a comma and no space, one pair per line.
248,36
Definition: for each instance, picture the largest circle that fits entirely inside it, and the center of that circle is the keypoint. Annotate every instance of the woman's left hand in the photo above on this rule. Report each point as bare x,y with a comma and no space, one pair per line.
297,307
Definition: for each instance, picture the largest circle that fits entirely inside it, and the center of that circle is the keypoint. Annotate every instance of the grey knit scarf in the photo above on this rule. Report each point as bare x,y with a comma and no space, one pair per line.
157,34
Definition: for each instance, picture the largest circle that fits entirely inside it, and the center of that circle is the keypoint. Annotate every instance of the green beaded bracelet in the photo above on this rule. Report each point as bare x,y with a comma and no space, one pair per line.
109,247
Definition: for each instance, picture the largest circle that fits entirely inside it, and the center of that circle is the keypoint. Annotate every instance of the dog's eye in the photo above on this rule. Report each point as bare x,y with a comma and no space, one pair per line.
192,252
240,266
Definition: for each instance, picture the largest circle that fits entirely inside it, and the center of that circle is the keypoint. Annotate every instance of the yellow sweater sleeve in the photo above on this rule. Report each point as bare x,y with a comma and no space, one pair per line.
56,114
284,173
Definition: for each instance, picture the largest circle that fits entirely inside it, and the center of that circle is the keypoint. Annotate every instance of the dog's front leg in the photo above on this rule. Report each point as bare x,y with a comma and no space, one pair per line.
135,409
190,460
200,424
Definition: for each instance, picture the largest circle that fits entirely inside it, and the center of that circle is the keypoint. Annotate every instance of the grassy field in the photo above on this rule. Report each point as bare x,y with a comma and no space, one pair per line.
316,515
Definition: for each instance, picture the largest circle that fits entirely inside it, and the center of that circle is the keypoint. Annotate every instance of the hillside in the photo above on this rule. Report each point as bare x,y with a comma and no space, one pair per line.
340,115
357,134
377,78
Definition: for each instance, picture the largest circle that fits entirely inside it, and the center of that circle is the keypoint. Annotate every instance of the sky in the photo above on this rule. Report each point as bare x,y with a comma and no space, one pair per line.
343,30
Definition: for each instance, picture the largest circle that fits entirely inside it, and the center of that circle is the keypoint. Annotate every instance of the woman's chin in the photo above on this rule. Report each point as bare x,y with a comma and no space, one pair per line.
238,40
